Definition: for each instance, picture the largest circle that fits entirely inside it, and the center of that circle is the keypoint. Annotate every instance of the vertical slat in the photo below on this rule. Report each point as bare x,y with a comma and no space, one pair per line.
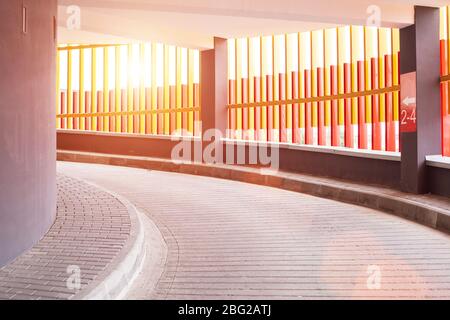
266,57
94,88
191,90
166,115
382,47
244,87
353,118
106,88
251,89
331,112
445,87
82,107
370,53
69,89
58,89
288,134
238,90
275,136
396,82
154,88
142,88
301,89
117,89
231,133
178,90
130,95
306,52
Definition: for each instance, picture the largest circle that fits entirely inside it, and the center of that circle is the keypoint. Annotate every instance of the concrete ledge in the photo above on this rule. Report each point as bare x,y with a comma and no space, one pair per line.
434,212
120,274
438,162
369,154
130,135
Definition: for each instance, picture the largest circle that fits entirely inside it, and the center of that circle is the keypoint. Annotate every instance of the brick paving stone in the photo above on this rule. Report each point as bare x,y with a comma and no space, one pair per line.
232,240
91,228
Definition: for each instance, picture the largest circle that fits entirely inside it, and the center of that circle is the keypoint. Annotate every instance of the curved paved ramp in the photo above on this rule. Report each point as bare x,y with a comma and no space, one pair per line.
232,240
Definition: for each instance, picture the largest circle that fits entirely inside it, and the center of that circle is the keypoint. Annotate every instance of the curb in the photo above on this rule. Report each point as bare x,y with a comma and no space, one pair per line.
118,277
399,205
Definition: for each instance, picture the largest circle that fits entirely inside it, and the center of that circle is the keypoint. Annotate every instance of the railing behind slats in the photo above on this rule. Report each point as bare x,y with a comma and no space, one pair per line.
136,88
334,87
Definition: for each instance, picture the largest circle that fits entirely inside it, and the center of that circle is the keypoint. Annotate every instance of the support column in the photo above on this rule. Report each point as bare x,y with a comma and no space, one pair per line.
419,53
213,79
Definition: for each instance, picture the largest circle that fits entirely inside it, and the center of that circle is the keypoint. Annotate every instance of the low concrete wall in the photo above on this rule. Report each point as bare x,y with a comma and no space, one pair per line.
367,168
439,180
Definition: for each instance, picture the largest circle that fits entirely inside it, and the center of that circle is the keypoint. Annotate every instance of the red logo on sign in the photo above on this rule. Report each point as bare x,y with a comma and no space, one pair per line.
408,102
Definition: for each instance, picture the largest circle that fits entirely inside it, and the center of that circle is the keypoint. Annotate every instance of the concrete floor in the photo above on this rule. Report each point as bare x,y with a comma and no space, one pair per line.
231,240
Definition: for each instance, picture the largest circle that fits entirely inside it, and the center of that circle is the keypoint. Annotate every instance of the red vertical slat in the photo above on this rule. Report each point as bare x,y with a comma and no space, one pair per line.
348,107
308,106
136,123
334,108
87,108
63,109
257,86
148,107
376,129
172,105
76,102
244,110
124,102
390,124
197,128
112,108
282,116
322,136
362,107
160,106
295,109
269,95
99,110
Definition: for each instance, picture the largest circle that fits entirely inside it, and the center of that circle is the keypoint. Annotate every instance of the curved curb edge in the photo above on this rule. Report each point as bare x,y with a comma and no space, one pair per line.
118,277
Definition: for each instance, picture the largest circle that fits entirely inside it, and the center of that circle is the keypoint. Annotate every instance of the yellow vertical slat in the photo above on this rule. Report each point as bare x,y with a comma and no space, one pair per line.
154,89
314,62
178,89
81,90
395,66
288,65
276,88
118,90
130,103
238,111
167,92
340,75
368,38
356,48
69,89
191,90
94,88
142,88
263,67
327,74
105,88
251,88
58,89
301,88
381,76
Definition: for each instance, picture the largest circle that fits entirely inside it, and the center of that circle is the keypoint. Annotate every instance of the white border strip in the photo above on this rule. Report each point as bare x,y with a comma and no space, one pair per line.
370,154
129,135
438,161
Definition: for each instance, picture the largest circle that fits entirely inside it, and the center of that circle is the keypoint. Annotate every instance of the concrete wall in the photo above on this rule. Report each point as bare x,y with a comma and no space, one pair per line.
27,125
